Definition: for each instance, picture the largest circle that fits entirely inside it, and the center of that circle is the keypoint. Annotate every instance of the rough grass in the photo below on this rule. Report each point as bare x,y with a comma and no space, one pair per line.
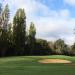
28,65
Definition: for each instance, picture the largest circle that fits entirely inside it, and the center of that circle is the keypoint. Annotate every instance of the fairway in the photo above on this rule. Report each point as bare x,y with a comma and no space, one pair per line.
29,65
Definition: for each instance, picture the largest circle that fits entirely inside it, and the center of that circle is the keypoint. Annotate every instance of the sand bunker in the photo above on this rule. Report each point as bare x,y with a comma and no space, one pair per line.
54,61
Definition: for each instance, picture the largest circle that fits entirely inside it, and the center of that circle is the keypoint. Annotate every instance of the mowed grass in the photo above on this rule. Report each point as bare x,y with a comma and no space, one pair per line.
28,65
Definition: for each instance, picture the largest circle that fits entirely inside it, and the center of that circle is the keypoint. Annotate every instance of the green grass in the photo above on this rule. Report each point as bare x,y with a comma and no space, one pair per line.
28,65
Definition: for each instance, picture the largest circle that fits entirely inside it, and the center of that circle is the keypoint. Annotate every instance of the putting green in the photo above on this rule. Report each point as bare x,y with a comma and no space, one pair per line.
29,65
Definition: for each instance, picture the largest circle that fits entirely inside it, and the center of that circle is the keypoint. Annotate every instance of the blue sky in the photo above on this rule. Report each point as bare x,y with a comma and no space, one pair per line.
53,19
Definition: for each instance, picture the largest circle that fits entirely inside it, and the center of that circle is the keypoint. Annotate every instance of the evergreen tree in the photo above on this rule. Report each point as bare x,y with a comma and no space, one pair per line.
0,14
4,34
0,8
32,33
19,31
5,17
10,35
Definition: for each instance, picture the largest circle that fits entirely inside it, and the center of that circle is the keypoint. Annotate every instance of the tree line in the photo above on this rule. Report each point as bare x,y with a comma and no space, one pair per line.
16,41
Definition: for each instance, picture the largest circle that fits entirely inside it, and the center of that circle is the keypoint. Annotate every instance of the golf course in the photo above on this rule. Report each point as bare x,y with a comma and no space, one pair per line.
30,65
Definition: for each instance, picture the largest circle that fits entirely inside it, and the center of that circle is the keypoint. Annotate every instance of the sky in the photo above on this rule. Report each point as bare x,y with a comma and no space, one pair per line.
53,19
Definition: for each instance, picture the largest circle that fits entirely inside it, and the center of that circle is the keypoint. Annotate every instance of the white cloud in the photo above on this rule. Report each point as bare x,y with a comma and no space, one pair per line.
50,24
55,28
70,2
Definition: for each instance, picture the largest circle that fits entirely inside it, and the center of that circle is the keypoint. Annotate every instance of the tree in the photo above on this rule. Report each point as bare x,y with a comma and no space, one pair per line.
5,17
4,34
32,30
51,46
10,40
59,46
72,52
0,19
66,50
19,31
0,8
42,47
0,14
32,33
